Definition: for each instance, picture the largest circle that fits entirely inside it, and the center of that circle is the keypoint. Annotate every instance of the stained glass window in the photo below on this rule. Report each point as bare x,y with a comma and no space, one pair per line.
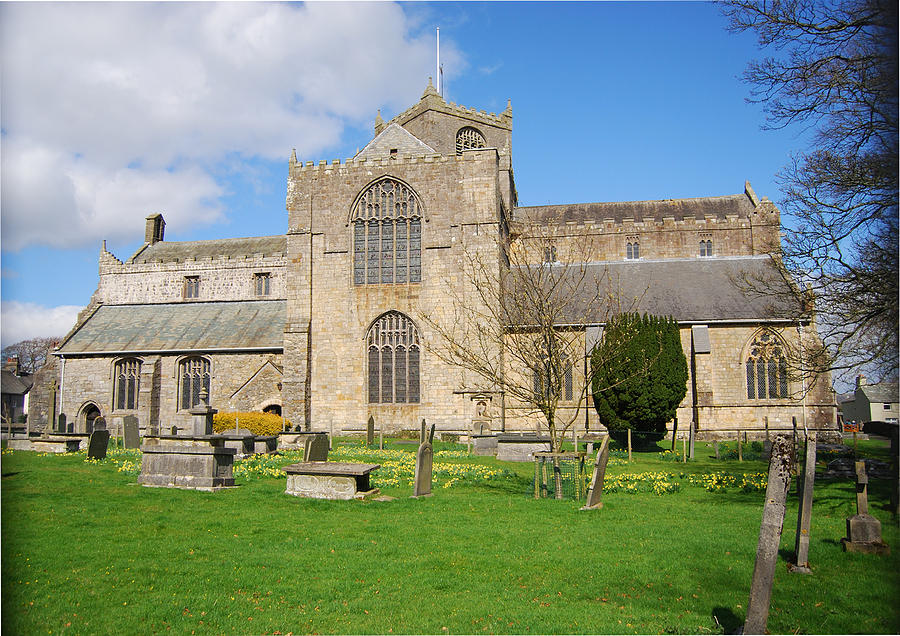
393,360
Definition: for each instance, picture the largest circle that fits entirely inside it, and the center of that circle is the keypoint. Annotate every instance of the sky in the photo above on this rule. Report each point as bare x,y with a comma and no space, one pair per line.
113,111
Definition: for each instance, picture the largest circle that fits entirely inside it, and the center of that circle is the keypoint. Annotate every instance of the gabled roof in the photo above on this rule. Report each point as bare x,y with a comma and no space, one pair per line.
12,384
394,137
179,251
679,209
191,326
885,392
689,290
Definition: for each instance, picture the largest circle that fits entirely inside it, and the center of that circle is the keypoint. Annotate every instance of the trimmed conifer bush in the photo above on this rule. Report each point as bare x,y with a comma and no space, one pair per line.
639,376
255,422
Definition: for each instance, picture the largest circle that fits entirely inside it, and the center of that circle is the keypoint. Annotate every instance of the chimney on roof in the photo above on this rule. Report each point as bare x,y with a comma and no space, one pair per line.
860,380
11,364
155,229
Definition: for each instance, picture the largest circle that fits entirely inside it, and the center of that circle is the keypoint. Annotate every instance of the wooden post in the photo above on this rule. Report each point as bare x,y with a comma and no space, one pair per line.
854,443
716,447
740,449
804,513
629,445
683,450
692,434
674,433
769,537
381,437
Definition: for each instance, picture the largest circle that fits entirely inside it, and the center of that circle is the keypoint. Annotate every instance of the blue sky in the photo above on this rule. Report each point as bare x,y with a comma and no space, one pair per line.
192,110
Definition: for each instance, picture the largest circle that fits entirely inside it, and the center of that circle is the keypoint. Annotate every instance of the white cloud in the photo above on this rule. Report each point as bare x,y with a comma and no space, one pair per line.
21,321
111,111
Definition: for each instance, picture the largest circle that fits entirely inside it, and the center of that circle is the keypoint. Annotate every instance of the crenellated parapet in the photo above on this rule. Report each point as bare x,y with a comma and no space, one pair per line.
298,168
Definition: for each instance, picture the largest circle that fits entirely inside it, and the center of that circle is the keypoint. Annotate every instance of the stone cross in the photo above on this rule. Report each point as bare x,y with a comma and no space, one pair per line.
132,432
595,491
863,530
769,536
370,431
862,489
804,513
98,444
424,469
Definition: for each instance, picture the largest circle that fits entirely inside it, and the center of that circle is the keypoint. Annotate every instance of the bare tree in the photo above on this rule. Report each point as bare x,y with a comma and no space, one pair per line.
834,71
32,353
516,324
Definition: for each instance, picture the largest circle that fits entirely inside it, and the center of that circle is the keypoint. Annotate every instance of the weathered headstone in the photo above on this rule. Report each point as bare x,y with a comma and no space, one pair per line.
430,433
424,468
804,513
61,423
98,444
100,423
316,448
132,432
769,536
422,432
595,491
863,530
370,431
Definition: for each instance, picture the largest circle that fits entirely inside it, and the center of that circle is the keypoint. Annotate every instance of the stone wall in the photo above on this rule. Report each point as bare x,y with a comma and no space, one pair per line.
41,395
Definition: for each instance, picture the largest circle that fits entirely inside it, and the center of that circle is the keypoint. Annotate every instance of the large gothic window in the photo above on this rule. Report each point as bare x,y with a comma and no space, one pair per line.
468,138
766,369
193,375
558,381
392,346
127,374
387,234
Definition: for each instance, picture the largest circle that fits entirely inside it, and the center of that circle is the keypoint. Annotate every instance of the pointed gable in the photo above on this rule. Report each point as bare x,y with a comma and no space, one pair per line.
394,138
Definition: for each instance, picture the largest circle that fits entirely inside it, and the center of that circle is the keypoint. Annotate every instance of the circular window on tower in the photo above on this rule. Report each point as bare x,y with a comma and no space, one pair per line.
468,138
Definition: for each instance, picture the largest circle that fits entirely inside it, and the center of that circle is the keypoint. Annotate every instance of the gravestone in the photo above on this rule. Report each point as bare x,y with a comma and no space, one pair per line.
132,432
595,491
424,468
863,530
202,416
100,423
370,431
422,432
97,444
61,423
804,512
769,537
316,448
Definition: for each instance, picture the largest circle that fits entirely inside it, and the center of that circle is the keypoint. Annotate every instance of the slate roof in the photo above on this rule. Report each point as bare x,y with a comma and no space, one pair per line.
12,384
168,251
180,327
884,392
699,208
690,290
395,136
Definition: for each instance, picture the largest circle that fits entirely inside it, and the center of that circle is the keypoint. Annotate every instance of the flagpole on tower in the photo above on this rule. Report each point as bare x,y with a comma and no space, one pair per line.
440,88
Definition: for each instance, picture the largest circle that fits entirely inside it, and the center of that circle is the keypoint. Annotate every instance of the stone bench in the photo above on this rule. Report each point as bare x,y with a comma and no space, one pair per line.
329,480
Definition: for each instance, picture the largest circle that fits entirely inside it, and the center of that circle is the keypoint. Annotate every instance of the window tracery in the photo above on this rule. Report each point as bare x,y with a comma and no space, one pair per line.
193,375
127,374
387,234
393,357
468,138
766,368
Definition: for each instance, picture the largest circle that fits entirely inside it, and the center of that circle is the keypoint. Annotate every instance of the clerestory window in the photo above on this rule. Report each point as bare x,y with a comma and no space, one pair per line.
632,251
766,368
393,357
387,234
468,138
192,287
706,248
127,374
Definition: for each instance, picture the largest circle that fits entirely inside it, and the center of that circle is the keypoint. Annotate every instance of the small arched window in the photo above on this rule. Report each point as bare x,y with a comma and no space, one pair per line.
393,357
127,384
193,376
387,234
468,138
766,368
633,250
706,248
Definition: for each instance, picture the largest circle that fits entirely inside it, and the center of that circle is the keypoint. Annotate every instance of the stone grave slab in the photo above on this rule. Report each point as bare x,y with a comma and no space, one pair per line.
194,463
132,432
329,480
521,448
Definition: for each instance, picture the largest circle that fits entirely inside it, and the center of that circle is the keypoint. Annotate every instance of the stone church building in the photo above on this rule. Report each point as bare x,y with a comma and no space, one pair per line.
324,323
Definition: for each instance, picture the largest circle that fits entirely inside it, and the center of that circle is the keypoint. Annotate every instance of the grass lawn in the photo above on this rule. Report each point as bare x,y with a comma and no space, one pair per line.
85,550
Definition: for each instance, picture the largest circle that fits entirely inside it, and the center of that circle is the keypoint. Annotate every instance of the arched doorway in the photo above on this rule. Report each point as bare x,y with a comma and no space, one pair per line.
273,408
89,413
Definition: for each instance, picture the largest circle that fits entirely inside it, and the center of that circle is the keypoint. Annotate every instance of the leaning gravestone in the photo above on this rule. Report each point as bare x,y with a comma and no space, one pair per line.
595,492
863,530
132,433
316,448
424,468
804,512
769,537
370,431
98,444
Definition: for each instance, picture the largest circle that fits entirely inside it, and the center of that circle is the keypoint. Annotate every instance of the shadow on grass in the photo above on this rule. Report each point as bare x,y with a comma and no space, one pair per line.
727,620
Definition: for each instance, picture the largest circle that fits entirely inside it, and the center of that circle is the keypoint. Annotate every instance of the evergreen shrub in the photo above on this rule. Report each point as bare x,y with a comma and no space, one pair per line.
255,422
639,376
